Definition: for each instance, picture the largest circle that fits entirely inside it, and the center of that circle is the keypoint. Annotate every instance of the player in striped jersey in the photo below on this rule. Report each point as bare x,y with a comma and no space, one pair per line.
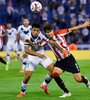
65,60
2,33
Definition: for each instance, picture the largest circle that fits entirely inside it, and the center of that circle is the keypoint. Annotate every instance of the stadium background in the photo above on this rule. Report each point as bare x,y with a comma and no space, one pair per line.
60,13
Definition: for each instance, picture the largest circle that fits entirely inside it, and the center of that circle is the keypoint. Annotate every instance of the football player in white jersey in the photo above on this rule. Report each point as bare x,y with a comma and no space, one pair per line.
23,30
11,42
36,55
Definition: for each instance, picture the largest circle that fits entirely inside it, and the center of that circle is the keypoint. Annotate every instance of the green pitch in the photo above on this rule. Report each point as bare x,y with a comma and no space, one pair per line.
10,84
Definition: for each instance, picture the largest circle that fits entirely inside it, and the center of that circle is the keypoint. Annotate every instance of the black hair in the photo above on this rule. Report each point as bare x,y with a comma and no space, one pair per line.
48,27
36,25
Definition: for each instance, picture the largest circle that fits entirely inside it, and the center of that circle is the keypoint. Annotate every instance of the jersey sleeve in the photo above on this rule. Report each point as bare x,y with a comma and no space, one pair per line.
44,40
26,43
61,32
19,30
3,28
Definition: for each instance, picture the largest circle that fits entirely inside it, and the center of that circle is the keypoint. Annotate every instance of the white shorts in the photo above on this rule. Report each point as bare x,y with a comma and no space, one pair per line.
12,46
33,61
22,46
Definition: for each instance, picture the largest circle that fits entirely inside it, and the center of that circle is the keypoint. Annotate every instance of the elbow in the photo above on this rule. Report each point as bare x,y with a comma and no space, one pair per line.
26,51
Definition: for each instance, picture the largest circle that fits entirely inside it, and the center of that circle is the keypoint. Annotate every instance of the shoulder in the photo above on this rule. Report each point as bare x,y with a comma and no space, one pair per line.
21,26
61,32
30,26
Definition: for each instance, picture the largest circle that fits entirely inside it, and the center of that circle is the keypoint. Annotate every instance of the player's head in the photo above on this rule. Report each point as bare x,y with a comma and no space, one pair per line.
25,22
49,30
9,25
35,29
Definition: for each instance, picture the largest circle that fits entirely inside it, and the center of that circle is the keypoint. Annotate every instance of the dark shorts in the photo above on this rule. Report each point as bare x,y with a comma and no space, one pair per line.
68,64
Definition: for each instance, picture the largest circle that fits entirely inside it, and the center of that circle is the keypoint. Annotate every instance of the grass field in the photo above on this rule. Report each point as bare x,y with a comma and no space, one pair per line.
10,84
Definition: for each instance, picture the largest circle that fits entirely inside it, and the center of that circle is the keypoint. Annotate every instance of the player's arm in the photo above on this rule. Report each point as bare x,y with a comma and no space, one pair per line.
30,52
18,36
86,24
4,34
69,30
53,43
34,46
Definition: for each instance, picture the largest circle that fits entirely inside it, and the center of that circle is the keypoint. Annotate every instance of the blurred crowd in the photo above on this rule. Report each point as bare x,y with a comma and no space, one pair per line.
60,13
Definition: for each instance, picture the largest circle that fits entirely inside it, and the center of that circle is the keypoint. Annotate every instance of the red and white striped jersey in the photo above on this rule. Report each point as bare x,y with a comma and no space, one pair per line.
2,30
60,40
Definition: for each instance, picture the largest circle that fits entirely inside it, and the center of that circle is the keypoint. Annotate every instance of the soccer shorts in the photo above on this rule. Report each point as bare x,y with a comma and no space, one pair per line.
68,64
33,61
22,46
12,46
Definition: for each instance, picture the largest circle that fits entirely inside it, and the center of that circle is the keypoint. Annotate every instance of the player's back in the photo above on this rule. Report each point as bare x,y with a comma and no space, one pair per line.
22,30
11,33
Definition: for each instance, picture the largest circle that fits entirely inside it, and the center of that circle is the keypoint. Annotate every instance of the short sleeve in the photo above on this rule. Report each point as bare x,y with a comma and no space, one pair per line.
61,32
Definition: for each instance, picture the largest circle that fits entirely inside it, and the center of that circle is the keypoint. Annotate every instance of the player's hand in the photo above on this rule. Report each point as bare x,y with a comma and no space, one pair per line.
42,56
87,23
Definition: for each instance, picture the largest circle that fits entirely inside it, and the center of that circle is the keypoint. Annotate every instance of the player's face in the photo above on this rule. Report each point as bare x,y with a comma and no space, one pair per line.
26,22
9,25
35,31
50,33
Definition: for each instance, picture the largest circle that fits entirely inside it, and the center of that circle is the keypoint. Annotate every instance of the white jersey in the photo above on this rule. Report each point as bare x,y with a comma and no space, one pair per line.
39,40
11,33
33,61
22,30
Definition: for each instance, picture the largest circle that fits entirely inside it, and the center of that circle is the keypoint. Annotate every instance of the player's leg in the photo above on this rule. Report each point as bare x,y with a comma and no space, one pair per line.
2,61
24,61
8,52
24,57
25,83
73,67
30,67
28,73
82,79
57,71
15,48
48,77
50,66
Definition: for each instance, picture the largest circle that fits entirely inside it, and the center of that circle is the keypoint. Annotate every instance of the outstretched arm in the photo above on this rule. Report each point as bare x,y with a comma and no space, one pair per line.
86,24
69,30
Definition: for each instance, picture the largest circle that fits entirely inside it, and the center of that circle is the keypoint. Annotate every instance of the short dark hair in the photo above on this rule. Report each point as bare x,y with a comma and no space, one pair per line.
48,27
36,25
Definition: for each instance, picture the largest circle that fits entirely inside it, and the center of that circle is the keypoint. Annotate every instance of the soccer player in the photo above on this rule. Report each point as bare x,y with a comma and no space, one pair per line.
65,60
23,30
37,56
2,34
11,42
